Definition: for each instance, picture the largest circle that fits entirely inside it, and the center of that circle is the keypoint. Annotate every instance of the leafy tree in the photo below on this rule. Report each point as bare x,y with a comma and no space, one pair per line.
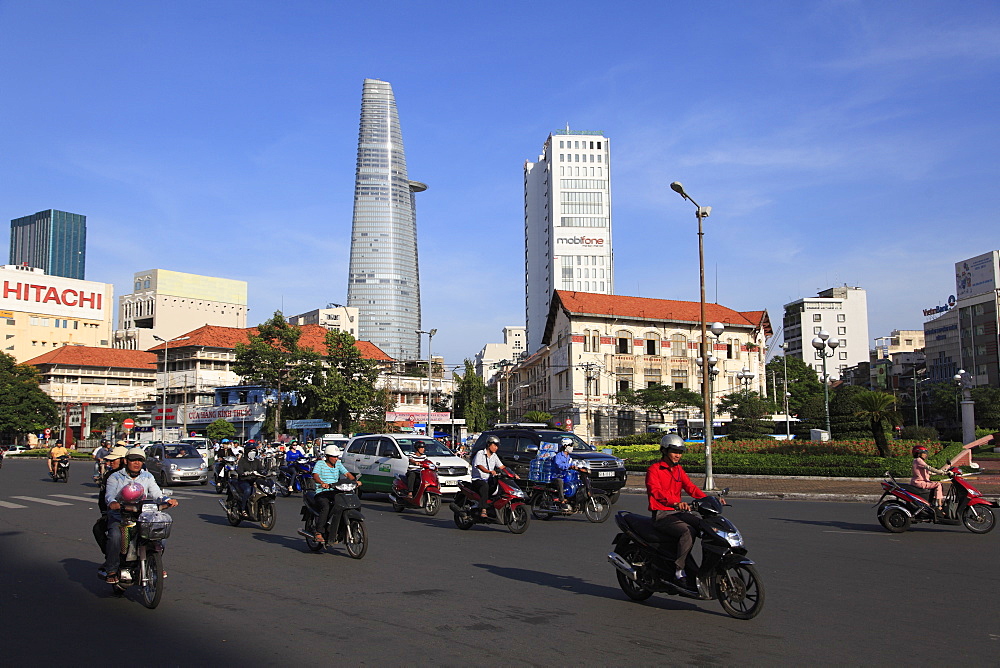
942,403
113,420
659,399
273,358
876,408
470,399
24,407
749,410
803,383
220,429
987,401
844,419
344,391
537,416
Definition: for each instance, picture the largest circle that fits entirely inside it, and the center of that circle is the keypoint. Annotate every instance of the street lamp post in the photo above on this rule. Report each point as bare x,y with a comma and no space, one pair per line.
745,377
821,343
964,382
784,365
708,374
702,212
163,411
430,335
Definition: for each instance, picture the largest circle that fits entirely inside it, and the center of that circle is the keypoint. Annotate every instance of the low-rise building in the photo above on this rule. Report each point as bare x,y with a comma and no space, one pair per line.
333,317
494,356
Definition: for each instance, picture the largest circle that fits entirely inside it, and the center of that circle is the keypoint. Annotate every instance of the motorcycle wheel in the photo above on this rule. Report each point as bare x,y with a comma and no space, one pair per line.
740,592
233,513
432,504
978,519
310,529
266,516
218,486
632,589
597,509
614,496
153,589
537,500
517,518
357,547
396,505
895,520
284,486
464,521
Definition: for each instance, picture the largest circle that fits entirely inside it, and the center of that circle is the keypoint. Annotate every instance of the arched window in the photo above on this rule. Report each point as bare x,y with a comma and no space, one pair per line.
623,342
652,343
679,345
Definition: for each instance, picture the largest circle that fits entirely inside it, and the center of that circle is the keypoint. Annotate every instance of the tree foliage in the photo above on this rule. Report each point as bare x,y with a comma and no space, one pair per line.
109,421
24,407
470,399
750,412
537,416
659,399
803,383
876,408
987,400
220,429
343,392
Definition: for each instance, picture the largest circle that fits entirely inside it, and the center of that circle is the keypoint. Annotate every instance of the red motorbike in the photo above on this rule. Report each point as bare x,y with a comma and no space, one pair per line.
906,504
428,496
506,506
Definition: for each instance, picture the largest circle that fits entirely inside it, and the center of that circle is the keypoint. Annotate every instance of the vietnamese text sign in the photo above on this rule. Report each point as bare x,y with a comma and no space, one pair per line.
307,424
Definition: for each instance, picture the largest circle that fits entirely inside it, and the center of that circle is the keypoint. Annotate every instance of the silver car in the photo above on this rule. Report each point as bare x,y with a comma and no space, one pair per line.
172,463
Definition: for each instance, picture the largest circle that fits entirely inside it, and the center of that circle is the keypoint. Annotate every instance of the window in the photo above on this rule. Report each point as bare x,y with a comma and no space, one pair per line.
817,330
623,383
843,355
678,345
841,317
817,317
652,345
841,330
623,342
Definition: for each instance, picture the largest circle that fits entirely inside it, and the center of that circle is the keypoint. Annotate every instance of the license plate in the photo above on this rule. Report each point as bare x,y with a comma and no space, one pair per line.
605,474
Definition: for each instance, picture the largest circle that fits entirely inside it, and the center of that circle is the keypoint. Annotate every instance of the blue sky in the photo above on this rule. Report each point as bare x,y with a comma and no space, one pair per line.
837,142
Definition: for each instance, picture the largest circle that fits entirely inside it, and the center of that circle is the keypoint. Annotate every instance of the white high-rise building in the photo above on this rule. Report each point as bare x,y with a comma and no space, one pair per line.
567,223
843,313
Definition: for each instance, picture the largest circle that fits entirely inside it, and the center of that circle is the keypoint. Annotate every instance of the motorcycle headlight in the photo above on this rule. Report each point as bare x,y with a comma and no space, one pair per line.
517,492
732,537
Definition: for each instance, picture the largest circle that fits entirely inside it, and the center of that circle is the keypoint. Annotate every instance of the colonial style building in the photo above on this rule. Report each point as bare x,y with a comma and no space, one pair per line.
596,345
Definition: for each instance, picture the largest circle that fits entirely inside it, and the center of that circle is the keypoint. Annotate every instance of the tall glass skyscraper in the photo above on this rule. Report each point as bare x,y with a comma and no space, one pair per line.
384,279
54,241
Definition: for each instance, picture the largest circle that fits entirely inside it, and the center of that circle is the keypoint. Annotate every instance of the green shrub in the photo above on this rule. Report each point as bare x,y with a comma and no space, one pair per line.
912,433
635,439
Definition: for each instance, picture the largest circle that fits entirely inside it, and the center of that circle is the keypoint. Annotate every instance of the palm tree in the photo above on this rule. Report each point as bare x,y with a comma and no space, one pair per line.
876,407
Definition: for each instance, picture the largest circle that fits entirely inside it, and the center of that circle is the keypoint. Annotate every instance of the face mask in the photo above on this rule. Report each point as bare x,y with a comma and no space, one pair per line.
251,455
569,450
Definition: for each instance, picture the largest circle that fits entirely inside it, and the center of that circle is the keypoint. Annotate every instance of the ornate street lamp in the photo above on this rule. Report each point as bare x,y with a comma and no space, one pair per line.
821,343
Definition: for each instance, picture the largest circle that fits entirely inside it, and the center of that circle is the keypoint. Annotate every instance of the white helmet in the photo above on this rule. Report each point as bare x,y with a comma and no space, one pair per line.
333,451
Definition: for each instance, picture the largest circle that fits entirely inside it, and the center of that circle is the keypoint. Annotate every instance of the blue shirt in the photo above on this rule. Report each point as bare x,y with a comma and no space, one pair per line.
120,478
329,474
561,463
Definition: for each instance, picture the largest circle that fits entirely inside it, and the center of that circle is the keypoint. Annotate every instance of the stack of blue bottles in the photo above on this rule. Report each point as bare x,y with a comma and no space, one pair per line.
540,469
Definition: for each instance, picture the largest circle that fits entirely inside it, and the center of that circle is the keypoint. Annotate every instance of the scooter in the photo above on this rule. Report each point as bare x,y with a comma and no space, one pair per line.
580,497
906,504
224,468
428,496
506,506
644,560
62,469
351,529
295,477
260,505
142,562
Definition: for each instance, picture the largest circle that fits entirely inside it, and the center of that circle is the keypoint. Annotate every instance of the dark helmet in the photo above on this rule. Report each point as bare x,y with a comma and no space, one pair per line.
917,450
672,443
492,439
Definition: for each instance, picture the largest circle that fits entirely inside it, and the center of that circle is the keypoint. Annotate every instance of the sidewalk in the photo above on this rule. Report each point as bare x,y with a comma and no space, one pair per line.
795,488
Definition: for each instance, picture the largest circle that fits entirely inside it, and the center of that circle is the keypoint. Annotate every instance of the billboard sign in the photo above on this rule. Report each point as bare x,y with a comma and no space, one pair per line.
977,275
35,292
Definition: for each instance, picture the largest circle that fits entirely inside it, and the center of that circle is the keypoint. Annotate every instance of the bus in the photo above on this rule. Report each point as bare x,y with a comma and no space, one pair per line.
694,429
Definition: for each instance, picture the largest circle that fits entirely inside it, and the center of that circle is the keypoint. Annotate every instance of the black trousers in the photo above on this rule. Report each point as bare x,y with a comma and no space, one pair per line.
327,507
412,481
484,488
679,525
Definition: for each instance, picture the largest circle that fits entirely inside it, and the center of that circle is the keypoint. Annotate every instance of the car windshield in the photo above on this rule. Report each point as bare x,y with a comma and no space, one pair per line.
579,445
434,448
180,451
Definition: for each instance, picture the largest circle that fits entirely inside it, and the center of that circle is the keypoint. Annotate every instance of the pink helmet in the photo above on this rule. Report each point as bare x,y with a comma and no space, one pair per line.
132,492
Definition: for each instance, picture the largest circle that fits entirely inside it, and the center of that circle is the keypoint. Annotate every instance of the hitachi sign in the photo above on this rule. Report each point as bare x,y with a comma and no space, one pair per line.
54,295
582,241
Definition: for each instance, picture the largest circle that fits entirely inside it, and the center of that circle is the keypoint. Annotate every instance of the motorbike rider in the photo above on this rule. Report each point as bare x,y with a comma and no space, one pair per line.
562,463
55,452
416,463
248,468
664,482
922,475
485,468
114,460
133,471
327,473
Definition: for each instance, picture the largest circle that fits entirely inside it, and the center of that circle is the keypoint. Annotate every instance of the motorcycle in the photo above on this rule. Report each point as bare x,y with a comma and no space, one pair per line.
580,497
351,529
224,468
963,504
507,506
260,505
644,562
3,453
428,496
62,469
142,562
295,477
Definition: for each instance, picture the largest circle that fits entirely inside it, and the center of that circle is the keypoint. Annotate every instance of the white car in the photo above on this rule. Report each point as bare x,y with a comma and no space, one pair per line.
379,458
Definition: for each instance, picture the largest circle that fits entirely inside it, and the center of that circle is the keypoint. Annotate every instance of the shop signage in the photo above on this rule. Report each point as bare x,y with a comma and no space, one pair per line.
941,309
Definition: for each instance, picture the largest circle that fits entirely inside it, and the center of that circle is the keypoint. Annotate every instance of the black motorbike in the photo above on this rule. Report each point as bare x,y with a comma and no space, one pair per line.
146,528
644,560
595,506
260,505
351,529
61,469
225,467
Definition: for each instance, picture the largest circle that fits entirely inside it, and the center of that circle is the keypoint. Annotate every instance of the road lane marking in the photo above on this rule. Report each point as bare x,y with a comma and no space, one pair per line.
8,504
75,498
48,502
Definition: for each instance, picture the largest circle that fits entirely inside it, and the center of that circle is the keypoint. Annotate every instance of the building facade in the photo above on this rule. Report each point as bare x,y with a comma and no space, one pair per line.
595,346
567,223
843,313
39,312
167,303
977,284
333,317
54,241
384,277
495,356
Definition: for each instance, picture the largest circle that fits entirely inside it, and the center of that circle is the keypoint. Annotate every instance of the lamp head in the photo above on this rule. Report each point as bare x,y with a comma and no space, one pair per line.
717,328
432,332
823,334
833,343
818,343
678,188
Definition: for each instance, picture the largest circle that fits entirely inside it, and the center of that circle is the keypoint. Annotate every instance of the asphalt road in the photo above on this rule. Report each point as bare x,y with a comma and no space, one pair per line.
840,590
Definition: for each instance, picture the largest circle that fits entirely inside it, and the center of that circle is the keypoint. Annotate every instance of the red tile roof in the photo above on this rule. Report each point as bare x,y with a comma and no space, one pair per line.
313,338
97,357
644,308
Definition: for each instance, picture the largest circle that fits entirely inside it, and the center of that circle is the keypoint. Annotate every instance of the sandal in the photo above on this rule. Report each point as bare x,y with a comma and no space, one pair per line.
319,538
112,578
